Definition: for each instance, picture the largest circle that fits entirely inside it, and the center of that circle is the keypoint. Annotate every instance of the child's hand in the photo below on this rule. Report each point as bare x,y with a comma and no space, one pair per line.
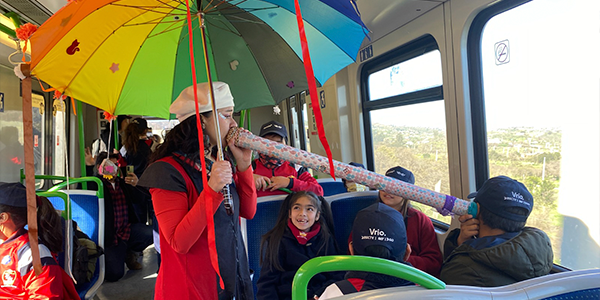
469,227
278,182
89,159
261,182
131,179
408,252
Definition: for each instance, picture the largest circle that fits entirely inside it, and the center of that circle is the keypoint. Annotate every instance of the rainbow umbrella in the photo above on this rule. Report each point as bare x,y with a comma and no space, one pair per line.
132,56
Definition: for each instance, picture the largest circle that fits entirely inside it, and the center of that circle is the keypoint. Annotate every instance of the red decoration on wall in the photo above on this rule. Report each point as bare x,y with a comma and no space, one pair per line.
23,33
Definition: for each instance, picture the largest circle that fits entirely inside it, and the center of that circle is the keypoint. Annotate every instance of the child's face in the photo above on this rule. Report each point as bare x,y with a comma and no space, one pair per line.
390,200
304,213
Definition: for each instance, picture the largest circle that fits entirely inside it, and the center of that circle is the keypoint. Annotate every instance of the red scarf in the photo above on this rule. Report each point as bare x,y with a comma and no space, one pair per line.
301,236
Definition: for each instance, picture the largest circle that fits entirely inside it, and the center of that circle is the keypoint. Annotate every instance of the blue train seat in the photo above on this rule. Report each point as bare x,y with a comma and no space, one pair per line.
59,202
344,208
332,187
267,210
88,211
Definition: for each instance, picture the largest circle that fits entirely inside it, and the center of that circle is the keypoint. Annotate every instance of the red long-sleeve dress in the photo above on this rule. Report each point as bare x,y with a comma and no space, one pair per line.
186,271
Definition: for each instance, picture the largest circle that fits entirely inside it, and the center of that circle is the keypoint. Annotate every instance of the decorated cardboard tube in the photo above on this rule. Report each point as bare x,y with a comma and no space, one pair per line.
445,204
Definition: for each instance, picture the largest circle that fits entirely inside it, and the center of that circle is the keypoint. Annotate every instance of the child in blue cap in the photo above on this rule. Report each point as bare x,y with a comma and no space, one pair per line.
370,224
493,247
272,173
426,254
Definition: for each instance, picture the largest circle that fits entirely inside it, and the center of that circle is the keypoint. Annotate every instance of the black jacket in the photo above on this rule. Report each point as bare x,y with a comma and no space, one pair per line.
275,284
140,159
527,255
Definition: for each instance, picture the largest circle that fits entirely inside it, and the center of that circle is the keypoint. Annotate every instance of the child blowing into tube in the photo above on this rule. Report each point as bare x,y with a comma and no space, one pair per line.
493,247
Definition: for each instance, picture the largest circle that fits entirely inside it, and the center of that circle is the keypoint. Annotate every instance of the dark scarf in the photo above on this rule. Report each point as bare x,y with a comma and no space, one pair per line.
301,236
270,162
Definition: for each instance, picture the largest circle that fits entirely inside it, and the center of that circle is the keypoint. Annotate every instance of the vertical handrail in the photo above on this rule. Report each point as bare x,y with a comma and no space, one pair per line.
242,117
249,128
81,144
116,137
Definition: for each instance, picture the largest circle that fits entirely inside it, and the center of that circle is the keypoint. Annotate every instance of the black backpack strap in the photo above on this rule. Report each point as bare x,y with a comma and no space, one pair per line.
299,169
346,287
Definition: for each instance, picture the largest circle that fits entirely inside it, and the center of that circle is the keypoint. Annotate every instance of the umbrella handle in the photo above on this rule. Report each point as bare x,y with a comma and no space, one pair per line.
227,200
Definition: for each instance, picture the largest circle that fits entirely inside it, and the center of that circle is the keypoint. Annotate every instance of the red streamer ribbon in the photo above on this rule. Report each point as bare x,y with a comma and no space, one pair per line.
312,88
210,222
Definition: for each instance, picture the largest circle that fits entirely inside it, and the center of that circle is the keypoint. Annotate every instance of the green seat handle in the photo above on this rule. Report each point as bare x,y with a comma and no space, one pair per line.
63,184
67,213
57,187
359,263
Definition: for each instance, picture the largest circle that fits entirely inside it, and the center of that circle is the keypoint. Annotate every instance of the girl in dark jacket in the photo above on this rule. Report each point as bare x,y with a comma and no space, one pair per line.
304,230
137,146
136,152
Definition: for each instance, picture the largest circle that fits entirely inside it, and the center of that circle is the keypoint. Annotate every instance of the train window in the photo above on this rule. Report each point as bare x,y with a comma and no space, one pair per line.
419,73
161,127
59,138
541,113
414,137
39,136
404,112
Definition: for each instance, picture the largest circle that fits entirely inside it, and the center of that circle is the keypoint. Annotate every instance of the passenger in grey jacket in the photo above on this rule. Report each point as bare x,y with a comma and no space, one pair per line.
494,248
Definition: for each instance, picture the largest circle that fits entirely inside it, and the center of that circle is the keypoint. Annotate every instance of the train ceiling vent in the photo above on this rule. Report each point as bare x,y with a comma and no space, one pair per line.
29,10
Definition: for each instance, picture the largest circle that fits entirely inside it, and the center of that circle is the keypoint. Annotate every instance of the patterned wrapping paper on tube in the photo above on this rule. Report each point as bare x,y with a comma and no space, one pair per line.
445,204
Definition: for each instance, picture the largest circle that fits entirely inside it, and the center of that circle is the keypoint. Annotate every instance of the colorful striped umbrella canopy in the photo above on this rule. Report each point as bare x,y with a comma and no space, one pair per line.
132,56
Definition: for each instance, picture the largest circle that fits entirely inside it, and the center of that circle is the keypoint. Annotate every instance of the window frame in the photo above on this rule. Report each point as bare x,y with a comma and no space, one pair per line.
476,92
417,47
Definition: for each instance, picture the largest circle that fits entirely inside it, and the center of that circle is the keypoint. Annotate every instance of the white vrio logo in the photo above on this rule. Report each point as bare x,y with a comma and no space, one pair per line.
376,231
518,196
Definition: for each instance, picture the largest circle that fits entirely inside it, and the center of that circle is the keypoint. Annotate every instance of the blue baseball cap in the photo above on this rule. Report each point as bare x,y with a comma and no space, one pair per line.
355,164
401,174
273,127
13,194
498,193
380,225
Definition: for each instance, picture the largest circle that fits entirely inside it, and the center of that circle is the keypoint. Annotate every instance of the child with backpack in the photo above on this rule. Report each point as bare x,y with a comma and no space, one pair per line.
304,230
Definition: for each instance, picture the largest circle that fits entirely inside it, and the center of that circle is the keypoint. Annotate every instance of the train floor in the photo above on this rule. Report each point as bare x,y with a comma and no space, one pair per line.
135,285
